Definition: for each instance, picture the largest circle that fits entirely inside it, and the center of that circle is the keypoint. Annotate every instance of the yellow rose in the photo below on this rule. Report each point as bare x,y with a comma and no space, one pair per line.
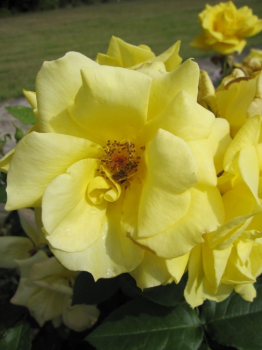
224,28
229,257
232,262
214,273
46,289
122,54
123,160
155,270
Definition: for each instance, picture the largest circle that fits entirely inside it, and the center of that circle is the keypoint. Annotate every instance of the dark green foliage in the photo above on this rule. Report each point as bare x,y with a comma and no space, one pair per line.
19,5
87,291
17,338
169,295
47,4
7,7
235,322
3,196
141,324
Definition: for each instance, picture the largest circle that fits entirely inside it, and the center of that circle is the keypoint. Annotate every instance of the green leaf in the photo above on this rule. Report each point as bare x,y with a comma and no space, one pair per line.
212,345
3,196
169,295
142,324
203,347
87,291
24,114
235,322
17,338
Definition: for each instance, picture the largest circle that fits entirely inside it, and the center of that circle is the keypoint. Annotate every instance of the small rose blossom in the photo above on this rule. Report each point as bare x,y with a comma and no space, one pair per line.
46,289
224,28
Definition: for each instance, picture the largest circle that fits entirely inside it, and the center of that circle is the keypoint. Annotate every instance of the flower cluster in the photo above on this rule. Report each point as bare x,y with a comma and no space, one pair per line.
45,286
137,164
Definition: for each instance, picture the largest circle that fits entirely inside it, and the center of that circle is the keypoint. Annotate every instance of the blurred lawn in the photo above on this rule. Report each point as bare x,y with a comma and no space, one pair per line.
27,40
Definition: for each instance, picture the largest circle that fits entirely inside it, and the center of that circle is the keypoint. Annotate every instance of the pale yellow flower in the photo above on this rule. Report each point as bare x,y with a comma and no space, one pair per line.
230,257
214,273
124,160
122,54
46,289
224,28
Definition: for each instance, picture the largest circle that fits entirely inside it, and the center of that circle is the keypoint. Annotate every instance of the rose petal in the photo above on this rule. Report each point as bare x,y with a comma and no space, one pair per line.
38,159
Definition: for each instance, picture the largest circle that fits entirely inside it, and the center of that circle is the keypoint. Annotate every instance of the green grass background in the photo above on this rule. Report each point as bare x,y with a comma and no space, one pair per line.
26,40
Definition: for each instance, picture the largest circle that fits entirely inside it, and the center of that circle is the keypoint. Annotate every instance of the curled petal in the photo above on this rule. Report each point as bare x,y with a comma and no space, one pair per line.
59,219
57,152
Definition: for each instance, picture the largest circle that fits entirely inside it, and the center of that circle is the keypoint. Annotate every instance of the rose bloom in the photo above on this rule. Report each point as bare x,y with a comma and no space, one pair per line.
230,257
214,272
45,286
224,28
46,289
124,162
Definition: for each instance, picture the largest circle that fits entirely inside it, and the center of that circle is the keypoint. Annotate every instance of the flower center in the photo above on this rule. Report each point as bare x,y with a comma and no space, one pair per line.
120,160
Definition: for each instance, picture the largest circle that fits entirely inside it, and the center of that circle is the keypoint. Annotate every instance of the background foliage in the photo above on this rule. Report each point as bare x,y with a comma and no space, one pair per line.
8,7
